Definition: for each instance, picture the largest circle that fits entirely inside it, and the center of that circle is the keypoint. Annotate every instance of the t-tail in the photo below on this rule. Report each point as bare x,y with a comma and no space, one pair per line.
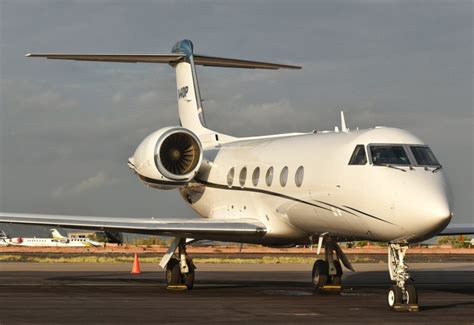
184,60
56,234
191,113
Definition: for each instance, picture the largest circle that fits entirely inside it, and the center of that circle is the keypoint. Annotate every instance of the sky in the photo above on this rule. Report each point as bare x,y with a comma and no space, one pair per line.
67,128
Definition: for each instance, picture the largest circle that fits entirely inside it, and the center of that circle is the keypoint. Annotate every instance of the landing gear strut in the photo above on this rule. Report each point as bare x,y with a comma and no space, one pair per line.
179,267
401,296
327,273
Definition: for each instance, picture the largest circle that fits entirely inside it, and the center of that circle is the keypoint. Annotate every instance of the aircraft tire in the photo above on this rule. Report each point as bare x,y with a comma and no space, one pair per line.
173,274
395,296
188,278
336,279
412,295
320,274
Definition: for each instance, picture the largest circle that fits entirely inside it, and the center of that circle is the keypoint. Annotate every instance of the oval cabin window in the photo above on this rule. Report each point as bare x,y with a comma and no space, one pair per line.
230,177
243,176
284,176
269,176
299,176
255,176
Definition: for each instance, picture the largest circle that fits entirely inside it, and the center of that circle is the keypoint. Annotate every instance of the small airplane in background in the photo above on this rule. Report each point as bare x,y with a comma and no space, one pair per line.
470,241
379,184
56,240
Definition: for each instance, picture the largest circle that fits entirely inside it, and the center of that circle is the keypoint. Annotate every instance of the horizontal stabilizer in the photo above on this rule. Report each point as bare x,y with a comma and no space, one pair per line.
127,58
191,228
236,63
171,58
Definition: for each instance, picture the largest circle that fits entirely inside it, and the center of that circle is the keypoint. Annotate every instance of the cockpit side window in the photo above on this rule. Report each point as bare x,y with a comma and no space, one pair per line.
359,156
389,155
424,156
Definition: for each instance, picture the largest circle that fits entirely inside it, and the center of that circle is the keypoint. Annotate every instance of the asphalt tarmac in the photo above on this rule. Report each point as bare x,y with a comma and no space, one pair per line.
226,293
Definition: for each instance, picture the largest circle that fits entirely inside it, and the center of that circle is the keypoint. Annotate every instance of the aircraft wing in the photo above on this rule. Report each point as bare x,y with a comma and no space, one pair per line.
189,228
458,229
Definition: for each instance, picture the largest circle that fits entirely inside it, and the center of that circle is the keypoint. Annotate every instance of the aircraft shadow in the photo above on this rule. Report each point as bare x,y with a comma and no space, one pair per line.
444,281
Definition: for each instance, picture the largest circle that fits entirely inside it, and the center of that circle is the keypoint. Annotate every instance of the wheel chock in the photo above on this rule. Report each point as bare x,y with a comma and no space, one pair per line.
178,287
406,307
331,288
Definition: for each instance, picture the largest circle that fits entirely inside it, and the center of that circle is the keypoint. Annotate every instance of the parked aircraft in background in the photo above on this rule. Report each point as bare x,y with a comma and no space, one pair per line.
56,240
381,184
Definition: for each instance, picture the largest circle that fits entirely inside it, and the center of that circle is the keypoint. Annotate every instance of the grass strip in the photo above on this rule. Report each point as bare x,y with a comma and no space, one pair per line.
129,259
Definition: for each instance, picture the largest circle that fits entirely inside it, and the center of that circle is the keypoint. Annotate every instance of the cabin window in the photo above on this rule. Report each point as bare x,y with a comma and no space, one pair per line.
230,177
243,176
284,176
359,156
389,155
299,176
424,156
255,176
269,176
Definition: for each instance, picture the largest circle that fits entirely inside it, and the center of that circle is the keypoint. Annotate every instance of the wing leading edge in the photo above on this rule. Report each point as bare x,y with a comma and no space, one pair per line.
458,229
191,228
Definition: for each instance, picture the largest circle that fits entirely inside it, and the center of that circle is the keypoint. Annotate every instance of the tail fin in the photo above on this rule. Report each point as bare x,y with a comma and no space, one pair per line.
56,234
191,113
3,235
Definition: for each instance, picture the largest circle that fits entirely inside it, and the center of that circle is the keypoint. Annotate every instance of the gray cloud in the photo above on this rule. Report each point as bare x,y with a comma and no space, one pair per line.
92,182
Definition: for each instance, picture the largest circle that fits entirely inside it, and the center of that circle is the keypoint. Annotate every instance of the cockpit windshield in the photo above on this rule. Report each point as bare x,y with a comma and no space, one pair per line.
389,155
424,156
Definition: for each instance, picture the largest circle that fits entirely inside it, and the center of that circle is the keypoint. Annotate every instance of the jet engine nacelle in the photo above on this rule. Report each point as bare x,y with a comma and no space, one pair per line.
168,158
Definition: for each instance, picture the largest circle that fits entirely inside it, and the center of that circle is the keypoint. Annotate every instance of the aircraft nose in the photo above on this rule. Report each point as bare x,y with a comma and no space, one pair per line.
435,212
440,213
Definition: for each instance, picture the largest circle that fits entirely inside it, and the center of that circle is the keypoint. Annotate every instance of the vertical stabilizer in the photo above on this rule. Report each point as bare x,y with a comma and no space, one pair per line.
191,114
55,234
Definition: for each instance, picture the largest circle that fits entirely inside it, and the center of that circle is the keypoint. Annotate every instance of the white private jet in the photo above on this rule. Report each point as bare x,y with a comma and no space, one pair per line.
381,184
56,240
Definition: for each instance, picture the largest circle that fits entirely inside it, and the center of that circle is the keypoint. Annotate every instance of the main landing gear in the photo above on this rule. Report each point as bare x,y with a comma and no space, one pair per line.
179,267
401,296
327,273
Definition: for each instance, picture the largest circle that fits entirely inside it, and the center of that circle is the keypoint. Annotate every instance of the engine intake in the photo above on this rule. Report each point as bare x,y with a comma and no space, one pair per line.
179,153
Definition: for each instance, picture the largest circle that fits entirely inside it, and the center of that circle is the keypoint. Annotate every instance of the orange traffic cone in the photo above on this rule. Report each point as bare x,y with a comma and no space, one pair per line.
136,265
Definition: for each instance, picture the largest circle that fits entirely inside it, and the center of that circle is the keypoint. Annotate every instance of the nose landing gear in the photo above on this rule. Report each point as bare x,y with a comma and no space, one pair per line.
401,296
